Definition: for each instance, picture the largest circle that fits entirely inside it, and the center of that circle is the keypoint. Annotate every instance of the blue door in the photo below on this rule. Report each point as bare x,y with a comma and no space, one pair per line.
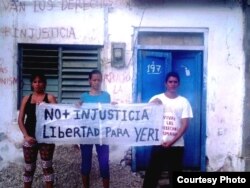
151,72
152,69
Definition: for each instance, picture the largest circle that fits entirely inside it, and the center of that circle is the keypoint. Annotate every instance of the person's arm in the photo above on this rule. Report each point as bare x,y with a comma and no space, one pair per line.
52,99
180,133
156,101
110,101
80,101
21,117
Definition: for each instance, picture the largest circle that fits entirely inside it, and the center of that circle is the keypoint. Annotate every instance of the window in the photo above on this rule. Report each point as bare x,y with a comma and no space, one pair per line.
65,66
170,38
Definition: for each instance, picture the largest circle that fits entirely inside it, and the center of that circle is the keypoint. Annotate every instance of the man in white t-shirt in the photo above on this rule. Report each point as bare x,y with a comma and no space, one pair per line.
177,112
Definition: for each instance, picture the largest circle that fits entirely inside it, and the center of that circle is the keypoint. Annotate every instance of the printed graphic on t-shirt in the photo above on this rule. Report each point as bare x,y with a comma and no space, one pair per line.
169,128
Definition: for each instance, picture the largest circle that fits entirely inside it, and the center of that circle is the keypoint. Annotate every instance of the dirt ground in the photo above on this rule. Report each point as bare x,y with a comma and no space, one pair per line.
67,162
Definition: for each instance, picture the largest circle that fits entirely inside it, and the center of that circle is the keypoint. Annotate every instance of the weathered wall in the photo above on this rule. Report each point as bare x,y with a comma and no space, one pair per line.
246,127
103,22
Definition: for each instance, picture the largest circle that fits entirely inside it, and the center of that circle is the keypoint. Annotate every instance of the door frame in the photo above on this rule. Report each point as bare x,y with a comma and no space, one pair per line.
203,48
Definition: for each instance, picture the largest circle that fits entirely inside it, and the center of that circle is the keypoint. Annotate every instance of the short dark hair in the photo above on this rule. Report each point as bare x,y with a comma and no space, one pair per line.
95,71
172,74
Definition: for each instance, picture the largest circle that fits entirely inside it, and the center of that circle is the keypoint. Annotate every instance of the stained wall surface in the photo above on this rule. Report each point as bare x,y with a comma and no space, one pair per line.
107,21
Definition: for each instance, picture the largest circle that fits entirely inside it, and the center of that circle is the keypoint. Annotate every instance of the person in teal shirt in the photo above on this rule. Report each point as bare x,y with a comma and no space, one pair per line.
95,95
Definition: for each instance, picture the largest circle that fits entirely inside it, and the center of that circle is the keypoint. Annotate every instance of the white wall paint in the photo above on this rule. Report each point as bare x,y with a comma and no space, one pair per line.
224,66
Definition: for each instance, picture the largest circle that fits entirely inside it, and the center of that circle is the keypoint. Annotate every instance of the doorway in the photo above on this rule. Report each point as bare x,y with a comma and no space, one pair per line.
152,67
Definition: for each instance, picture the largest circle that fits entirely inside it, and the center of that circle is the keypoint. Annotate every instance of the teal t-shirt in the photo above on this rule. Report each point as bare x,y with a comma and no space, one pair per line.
103,97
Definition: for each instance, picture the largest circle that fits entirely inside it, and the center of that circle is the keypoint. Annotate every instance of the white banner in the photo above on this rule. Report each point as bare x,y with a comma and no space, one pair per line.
95,123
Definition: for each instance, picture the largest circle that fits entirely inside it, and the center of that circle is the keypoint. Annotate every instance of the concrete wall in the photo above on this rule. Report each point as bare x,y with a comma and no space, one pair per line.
106,21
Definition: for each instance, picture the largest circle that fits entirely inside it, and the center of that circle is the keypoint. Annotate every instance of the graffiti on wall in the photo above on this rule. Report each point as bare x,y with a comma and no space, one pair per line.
12,6
4,78
50,5
38,33
120,81
117,77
